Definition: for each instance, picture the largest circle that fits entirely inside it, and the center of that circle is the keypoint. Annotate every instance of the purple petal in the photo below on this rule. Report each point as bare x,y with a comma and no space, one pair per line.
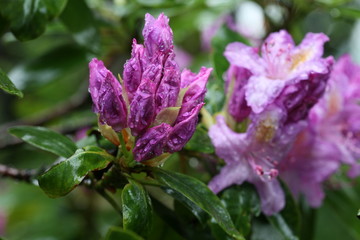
241,55
304,171
158,36
271,195
276,44
183,131
238,107
169,87
228,144
133,69
234,173
151,143
262,91
98,73
106,93
154,69
312,46
142,108
195,94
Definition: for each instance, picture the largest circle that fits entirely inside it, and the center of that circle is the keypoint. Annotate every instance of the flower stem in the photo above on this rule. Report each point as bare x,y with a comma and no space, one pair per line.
111,200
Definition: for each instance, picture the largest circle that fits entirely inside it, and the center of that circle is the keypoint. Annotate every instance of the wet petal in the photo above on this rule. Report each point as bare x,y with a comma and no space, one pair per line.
228,145
183,130
106,93
262,91
133,69
271,195
142,108
158,36
151,143
235,173
241,55
169,87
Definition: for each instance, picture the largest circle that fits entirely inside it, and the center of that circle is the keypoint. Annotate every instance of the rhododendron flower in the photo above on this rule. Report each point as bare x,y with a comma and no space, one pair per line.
275,92
336,118
333,136
155,101
282,69
309,163
248,159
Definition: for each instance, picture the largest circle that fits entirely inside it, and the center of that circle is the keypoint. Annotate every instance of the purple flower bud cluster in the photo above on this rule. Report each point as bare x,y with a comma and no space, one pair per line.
275,91
158,103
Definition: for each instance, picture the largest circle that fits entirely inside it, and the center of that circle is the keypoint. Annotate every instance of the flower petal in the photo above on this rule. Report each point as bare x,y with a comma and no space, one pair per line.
169,87
234,173
271,195
151,143
183,130
241,55
237,77
262,91
106,93
228,144
158,36
142,108
312,46
133,69
196,89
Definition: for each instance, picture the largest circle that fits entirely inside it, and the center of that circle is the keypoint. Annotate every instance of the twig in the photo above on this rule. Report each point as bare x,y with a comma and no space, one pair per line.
18,174
111,200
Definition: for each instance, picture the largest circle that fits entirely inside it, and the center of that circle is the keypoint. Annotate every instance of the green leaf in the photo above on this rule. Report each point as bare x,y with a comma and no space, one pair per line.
51,66
7,85
288,221
82,26
45,139
243,203
65,176
28,19
352,13
200,141
117,233
198,193
137,209
199,213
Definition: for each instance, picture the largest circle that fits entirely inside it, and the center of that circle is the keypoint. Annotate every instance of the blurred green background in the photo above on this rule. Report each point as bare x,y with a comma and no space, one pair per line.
45,47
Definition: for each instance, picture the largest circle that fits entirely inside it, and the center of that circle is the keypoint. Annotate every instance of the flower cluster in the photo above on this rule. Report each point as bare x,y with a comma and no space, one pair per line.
156,103
275,91
331,138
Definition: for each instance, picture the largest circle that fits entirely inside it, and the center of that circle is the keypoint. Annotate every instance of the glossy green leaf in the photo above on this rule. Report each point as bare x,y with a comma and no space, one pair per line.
117,233
198,212
45,139
198,193
242,202
287,221
200,141
137,209
66,175
217,232
82,26
51,66
28,18
7,85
